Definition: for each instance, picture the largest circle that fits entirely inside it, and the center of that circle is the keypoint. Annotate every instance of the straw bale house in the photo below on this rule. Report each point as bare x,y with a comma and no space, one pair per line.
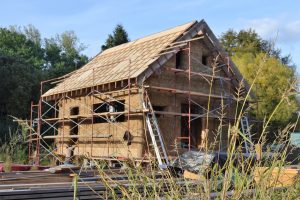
99,107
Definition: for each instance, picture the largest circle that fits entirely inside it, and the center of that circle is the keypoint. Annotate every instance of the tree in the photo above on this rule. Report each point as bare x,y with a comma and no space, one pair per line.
20,74
63,54
26,60
33,34
19,86
248,41
252,53
118,37
270,85
15,44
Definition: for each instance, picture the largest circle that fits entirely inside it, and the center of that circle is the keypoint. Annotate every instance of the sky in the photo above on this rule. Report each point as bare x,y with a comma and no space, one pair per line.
93,20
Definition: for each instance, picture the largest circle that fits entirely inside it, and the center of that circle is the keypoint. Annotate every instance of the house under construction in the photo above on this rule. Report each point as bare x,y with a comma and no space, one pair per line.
166,91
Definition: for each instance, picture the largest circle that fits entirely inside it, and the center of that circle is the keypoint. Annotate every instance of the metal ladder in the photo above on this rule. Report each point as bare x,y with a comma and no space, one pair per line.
155,135
246,132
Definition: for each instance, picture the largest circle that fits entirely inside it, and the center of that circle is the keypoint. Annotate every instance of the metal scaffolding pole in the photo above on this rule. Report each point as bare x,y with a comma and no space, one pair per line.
189,94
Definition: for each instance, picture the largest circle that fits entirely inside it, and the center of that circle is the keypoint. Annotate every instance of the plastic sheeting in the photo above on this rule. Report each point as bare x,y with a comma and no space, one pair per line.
194,161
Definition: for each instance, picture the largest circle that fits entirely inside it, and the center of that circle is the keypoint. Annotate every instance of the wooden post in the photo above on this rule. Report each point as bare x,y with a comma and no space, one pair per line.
189,95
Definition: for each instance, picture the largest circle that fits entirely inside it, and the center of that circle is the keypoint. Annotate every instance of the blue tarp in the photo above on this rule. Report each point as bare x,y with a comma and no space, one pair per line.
295,139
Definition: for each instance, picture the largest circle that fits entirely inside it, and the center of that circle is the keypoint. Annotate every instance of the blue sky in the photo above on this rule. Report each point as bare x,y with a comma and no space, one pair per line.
93,20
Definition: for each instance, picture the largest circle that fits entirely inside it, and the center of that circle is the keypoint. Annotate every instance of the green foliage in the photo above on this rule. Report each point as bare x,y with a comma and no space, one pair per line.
19,82
272,82
118,37
20,62
244,41
248,41
33,34
276,73
25,60
15,147
15,45
62,54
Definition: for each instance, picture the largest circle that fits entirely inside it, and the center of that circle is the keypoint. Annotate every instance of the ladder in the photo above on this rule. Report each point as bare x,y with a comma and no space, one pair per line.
155,135
246,131
34,136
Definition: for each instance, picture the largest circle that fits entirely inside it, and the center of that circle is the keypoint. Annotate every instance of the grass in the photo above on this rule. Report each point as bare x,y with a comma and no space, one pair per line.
236,176
15,147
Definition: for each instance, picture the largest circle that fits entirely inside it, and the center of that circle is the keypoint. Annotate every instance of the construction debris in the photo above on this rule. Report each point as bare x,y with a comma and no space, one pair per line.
63,168
90,185
194,161
190,175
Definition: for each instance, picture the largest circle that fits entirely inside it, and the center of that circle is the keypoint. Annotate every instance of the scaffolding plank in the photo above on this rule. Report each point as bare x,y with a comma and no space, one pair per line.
78,136
104,114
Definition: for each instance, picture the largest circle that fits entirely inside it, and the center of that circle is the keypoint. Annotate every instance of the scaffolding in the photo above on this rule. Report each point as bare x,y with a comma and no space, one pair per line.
49,114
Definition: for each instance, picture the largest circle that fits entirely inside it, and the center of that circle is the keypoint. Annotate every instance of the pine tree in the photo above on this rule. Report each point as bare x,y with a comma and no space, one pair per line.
118,37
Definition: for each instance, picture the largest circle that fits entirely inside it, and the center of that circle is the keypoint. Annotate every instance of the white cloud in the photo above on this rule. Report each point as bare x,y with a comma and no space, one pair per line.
283,30
292,30
264,27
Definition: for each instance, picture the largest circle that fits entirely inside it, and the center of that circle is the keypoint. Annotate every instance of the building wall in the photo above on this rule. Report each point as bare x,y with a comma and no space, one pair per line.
114,146
170,125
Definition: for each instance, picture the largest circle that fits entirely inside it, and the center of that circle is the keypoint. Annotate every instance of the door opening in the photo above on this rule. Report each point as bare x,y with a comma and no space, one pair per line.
196,126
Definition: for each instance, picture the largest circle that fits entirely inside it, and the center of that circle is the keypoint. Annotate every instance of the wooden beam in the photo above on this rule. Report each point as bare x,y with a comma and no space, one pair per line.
189,40
104,114
192,115
78,136
56,119
176,91
183,114
198,74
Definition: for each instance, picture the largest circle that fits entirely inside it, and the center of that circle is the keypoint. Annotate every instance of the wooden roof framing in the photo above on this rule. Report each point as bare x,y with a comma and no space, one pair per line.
139,59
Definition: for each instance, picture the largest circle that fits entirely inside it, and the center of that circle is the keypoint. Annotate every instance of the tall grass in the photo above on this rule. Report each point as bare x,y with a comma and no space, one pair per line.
14,148
234,180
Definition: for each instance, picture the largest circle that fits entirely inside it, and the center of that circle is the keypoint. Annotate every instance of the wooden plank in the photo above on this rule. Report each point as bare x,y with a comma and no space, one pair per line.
183,114
104,114
198,74
63,168
78,136
191,175
277,177
177,91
